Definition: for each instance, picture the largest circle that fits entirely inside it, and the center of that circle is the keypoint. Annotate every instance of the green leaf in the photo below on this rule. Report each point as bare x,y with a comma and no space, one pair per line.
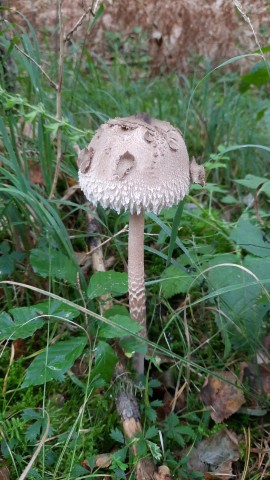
118,436
251,181
251,238
8,259
175,281
101,283
265,188
53,363
151,432
258,76
175,226
155,450
57,309
131,345
239,311
109,331
23,324
105,362
229,200
33,431
53,263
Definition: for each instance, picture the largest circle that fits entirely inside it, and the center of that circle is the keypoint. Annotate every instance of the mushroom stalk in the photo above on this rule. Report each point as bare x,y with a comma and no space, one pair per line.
136,286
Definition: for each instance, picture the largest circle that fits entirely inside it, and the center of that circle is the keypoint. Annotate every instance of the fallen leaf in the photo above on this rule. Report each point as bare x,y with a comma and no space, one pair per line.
104,460
221,396
145,469
36,175
4,473
163,473
258,379
20,347
214,456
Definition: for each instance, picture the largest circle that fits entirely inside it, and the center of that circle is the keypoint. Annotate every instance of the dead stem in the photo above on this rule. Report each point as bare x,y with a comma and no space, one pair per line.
59,100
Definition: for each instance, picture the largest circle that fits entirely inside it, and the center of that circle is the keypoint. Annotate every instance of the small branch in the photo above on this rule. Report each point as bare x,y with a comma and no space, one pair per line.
59,101
96,253
92,10
52,83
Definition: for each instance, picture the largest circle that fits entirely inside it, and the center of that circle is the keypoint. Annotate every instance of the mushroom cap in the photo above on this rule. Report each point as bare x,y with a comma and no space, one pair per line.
135,163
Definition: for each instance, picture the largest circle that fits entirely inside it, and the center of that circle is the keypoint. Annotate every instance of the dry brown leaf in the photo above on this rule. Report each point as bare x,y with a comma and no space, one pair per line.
4,473
257,377
163,473
215,455
36,175
145,469
103,460
20,347
223,395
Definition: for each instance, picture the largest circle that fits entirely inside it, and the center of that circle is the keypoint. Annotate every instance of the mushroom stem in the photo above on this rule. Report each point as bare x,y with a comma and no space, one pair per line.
136,286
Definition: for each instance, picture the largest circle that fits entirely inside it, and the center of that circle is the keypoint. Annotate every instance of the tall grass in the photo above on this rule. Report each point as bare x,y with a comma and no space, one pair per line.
218,117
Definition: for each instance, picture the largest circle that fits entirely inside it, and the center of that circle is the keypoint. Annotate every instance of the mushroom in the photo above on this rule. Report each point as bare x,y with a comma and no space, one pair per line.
137,164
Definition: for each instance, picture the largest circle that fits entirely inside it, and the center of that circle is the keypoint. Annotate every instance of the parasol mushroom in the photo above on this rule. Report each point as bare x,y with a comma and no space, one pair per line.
137,164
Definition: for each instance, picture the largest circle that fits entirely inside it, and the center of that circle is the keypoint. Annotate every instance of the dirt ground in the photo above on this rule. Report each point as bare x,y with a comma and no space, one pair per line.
175,30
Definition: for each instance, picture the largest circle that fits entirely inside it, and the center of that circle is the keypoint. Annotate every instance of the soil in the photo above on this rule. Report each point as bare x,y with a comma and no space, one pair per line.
174,31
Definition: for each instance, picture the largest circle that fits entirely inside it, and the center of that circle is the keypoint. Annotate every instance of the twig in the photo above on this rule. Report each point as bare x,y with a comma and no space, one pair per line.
52,83
59,100
92,10
8,369
97,257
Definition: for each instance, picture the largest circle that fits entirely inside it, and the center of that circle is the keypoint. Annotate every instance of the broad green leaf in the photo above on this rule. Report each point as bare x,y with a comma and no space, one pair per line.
258,76
23,324
238,312
265,188
229,200
109,331
251,238
53,263
259,266
53,363
101,283
251,181
175,281
130,345
57,309
105,362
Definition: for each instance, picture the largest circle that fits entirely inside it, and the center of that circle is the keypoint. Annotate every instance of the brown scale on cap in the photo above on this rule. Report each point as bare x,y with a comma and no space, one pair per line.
85,159
137,163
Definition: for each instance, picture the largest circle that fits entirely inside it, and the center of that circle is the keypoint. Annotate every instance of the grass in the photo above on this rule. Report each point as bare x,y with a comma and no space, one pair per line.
201,318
